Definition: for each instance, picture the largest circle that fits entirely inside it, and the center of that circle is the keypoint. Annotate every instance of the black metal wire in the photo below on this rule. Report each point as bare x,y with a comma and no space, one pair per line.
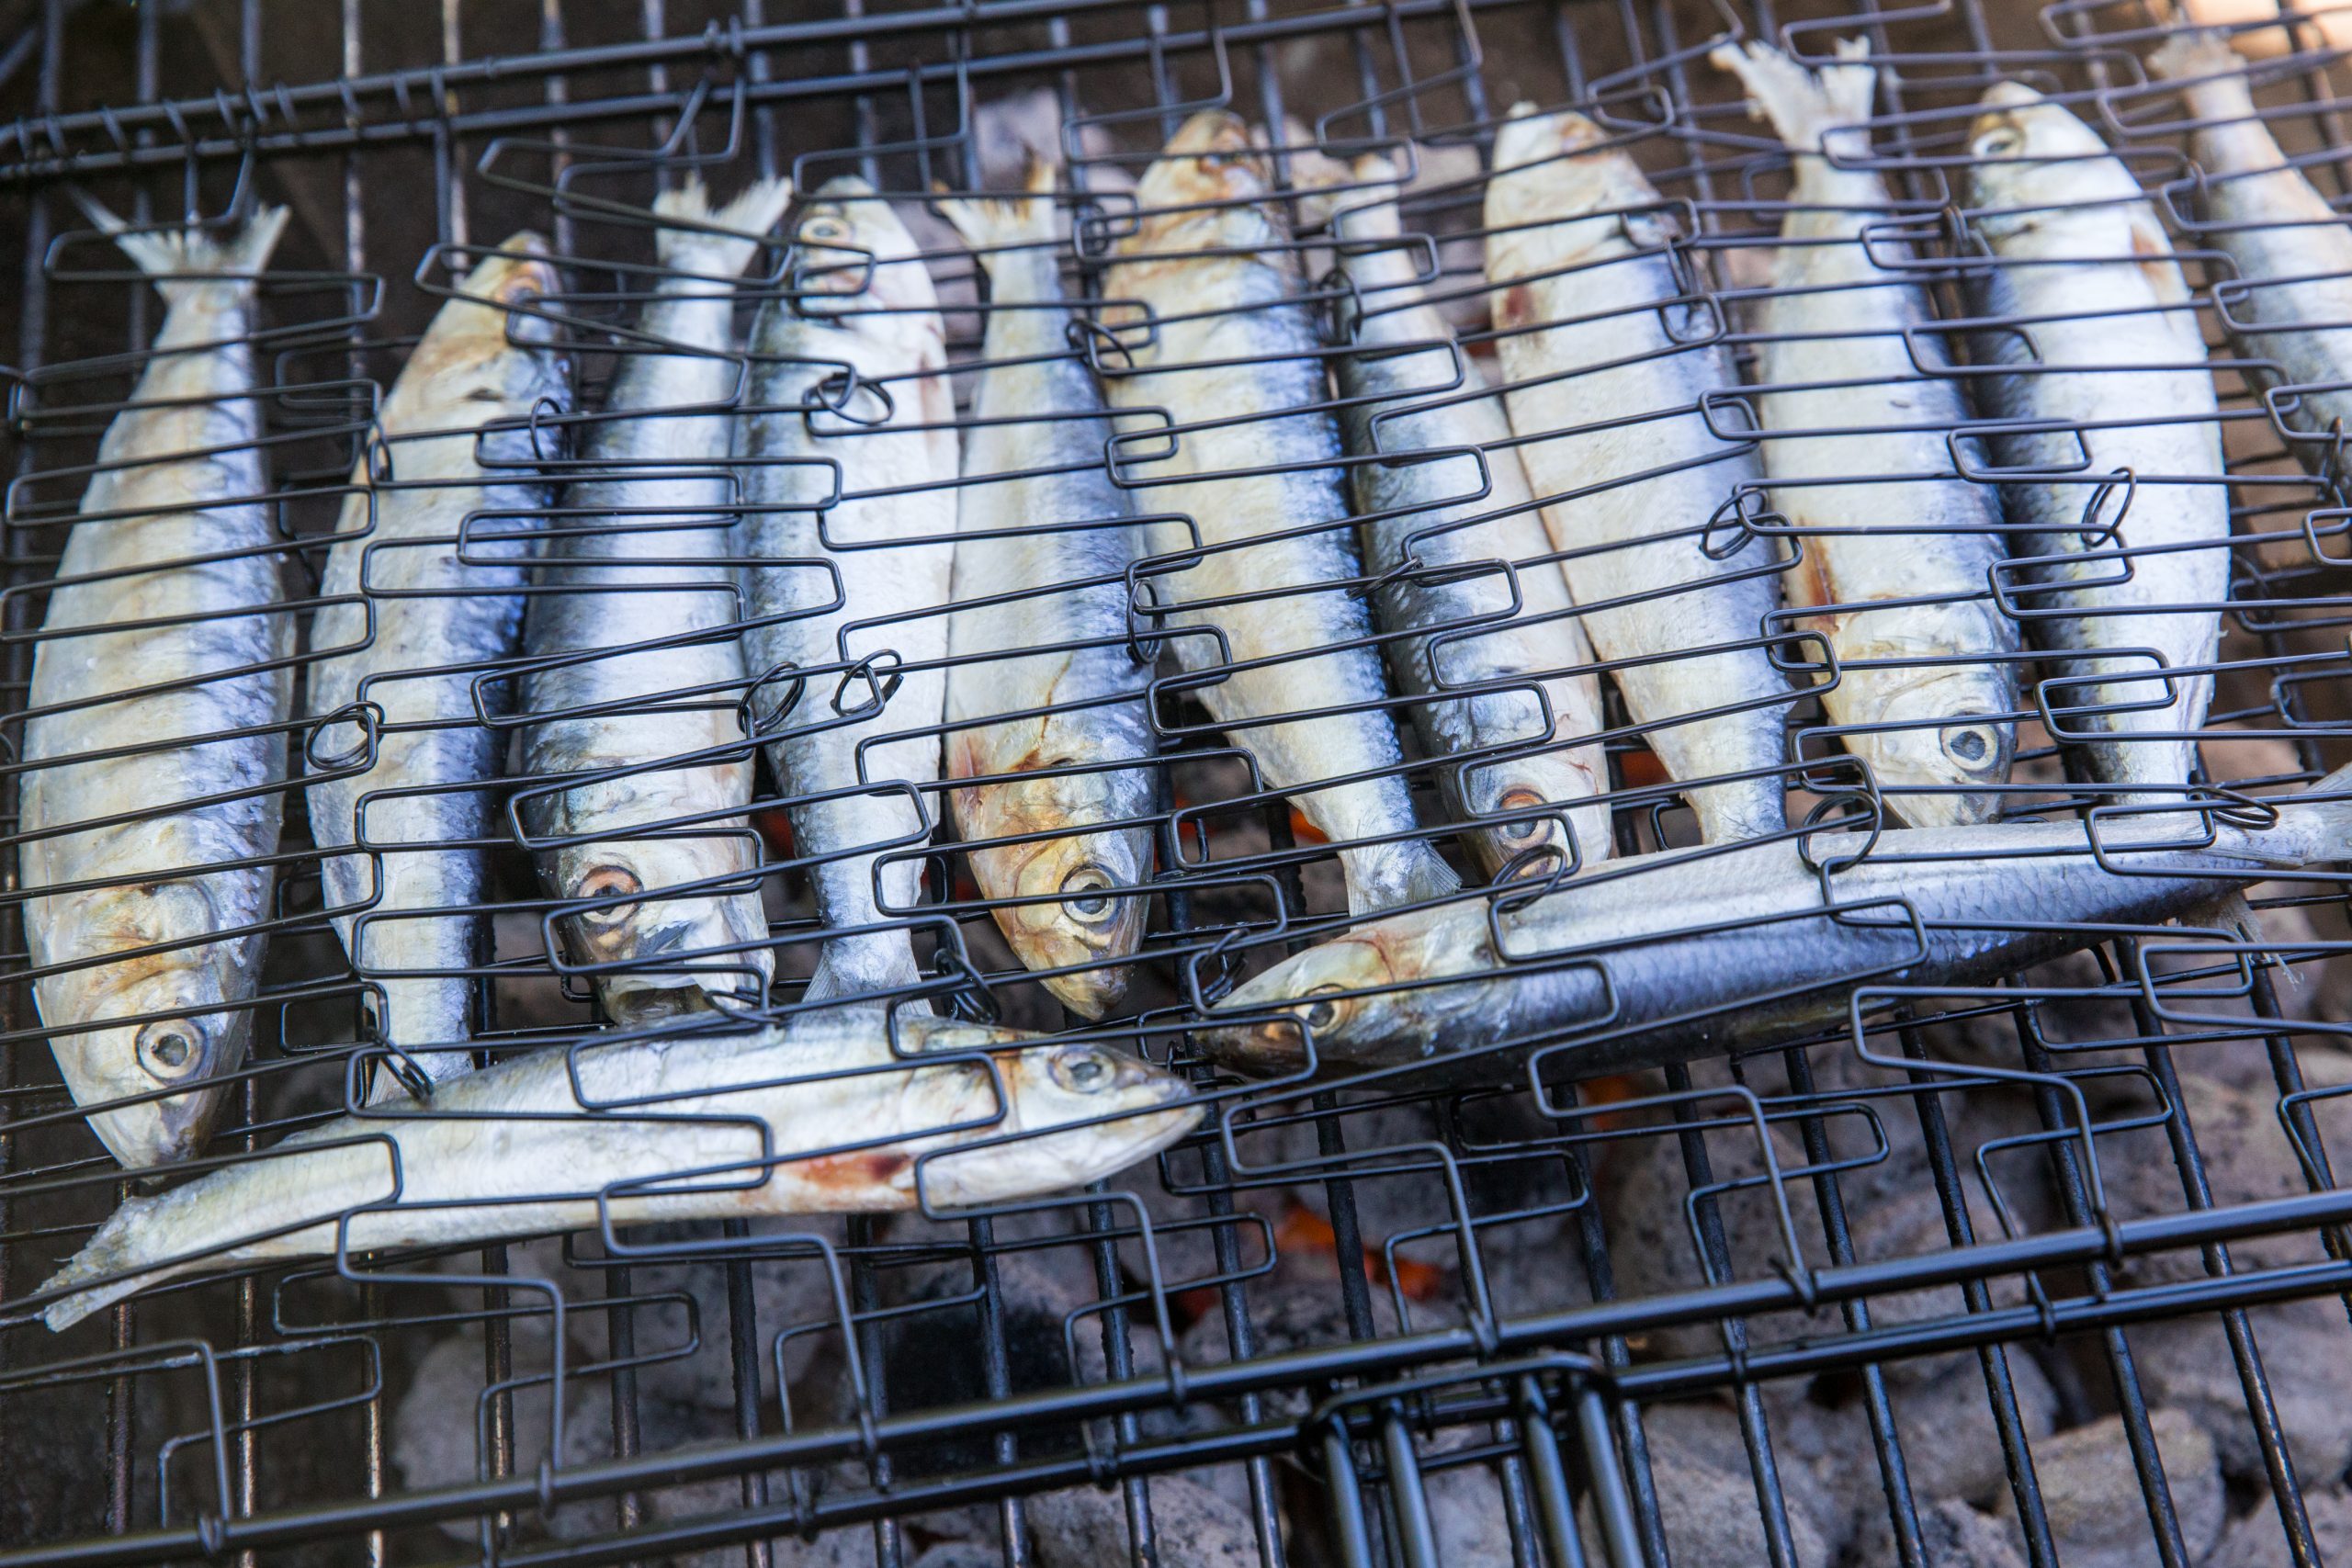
1545,1318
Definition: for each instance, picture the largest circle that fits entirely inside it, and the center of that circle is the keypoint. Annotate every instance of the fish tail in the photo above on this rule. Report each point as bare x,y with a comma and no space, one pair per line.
1386,876
859,966
2196,52
717,243
110,1251
990,223
179,261
1804,104
508,278
2334,817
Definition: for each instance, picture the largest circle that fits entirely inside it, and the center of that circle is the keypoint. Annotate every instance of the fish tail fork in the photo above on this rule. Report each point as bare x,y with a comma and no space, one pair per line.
992,223
179,262
1804,104
718,241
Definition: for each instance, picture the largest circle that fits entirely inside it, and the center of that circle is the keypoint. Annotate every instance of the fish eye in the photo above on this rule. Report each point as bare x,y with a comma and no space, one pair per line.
1999,144
1968,745
824,229
1084,892
170,1050
608,882
1081,1070
1521,799
1323,1011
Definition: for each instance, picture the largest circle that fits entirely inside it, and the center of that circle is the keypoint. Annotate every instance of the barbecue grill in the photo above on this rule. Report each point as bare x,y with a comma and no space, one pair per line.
2051,1270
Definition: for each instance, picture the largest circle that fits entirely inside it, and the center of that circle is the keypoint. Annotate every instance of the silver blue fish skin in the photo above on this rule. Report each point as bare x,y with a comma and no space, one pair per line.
847,595
179,478
1674,955
1522,750
1213,335
402,601
634,682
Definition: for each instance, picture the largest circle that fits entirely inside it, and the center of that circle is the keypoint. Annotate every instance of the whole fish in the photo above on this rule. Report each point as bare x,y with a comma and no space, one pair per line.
1926,686
1407,386
1055,519
2289,244
1231,354
1674,955
174,543
2135,576
419,922
850,386
1588,315
634,677
825,1116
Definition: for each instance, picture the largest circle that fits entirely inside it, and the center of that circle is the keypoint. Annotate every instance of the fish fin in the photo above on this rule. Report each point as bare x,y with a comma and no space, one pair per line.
746,221
853,968
1803,103
994,223
108,1252
170,257
1425,875
2196,52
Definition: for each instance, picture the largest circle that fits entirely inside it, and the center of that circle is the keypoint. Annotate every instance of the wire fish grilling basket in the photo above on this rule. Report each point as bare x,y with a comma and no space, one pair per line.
1973,1202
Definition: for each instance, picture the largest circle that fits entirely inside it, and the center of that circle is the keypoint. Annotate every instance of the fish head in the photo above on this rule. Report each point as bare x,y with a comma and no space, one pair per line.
188,1035
1208,190
1958,742
853,257
2030,158
678,949
1335,995
485,346
1549,784
1081,1112
1082,916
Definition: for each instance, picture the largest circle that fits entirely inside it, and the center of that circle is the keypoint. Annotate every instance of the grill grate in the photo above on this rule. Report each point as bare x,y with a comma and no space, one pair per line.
2062,1255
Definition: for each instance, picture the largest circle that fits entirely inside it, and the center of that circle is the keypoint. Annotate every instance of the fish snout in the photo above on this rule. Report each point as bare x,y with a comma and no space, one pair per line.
181,1055
1271,1047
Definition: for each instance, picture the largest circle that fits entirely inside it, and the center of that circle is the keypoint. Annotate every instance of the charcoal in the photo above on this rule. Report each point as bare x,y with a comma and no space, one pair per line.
1707,1496
785,1293
929,1357
1953,1534
1911,1225
2185,1363
2098,1517
438,1428
1466,1507
2260,1541
1645,1193
1951,1446
959,1554
1283,1318
1083,1526
851,1546
2247,1159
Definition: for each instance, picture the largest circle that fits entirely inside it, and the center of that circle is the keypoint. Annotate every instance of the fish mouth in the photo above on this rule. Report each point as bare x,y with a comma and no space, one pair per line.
1271,1047
707,968
159,1131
